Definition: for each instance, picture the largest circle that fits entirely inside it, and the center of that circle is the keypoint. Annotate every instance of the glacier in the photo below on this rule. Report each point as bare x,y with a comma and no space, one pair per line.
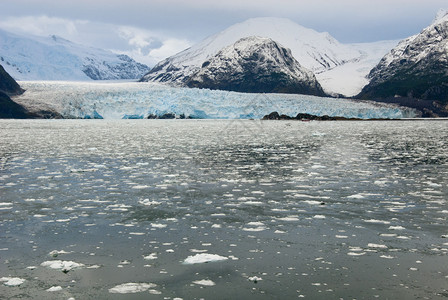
120,100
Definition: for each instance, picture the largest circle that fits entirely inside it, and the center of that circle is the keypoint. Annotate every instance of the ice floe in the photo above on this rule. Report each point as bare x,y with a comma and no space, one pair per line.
204,282
131,287
12,281
62,265
203,258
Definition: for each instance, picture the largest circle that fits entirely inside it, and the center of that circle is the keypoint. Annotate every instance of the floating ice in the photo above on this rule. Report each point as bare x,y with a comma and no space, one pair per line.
151,256
55,253
131,287
205,282
203,258
356,253
319,217
54,289
254,279
396,228
373,221
158,225
371,245
62,265
12,281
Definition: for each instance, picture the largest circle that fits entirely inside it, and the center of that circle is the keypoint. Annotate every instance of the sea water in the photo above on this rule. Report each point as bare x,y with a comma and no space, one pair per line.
206,209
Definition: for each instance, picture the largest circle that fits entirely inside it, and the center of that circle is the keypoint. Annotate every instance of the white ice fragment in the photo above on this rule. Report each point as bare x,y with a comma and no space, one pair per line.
203,258
319,217
12,281
62,265
55,253
158,225
373,221
151,256
140,187
396,228
289,218
205,282
254,229
54,289
387,256
255,224
341,236
356,253
371,245
254,279
356,196
131,287
197,251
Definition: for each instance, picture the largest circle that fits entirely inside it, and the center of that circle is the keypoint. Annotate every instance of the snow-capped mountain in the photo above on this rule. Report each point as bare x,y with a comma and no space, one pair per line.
318,52
255,65
416,68
54,58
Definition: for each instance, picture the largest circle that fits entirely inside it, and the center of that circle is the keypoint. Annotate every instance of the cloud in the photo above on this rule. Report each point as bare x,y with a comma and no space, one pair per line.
41,25
150,47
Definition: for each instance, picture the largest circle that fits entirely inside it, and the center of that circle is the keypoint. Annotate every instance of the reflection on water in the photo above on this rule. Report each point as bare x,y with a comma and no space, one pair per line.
241,209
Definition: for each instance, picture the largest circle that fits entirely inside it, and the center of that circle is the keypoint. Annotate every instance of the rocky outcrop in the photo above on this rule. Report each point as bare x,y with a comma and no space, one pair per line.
8,85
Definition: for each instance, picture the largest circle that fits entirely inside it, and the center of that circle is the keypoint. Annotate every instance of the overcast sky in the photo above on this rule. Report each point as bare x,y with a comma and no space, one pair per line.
150,30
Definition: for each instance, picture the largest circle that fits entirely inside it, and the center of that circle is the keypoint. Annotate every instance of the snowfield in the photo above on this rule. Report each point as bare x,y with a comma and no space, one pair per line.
122,100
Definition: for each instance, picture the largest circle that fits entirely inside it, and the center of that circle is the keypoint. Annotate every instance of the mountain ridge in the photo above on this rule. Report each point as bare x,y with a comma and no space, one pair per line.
27,57
416,68
316,51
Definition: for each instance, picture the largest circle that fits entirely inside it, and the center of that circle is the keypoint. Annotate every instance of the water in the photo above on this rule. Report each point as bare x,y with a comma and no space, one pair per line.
289,210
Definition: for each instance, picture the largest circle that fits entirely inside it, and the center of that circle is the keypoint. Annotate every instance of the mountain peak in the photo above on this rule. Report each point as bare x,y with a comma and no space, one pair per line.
317,52
255,64
441,16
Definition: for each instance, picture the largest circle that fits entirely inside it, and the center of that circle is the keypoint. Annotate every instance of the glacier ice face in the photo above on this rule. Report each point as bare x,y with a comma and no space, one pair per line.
112,100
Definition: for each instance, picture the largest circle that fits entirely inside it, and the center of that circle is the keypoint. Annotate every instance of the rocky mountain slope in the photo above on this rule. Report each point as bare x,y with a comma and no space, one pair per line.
7,84
416,68
36,58
255,65
9,87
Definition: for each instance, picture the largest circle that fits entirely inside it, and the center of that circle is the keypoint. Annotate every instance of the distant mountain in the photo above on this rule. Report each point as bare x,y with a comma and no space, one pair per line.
255,65
416,68
318,52
54,58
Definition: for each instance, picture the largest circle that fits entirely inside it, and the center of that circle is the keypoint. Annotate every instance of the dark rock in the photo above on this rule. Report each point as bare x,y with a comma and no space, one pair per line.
167,116
11,110
8,85
305,117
